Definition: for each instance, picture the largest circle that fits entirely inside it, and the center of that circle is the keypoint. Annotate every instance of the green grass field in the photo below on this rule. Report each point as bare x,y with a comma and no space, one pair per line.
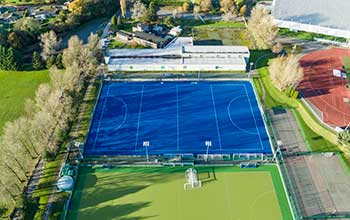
16,87
157,193
225,36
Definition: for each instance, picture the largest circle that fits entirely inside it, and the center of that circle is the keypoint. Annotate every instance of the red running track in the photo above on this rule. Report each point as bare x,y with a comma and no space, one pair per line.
324,90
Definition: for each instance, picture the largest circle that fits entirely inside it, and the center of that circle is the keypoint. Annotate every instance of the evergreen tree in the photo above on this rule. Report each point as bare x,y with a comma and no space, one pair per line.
37,62
113,20
2,57
11,62
151,14
51,61
119,20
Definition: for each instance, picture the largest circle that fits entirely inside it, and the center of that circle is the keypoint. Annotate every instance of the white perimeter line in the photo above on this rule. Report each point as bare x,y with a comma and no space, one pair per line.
216,116
138,120
251,109
177,118
100,120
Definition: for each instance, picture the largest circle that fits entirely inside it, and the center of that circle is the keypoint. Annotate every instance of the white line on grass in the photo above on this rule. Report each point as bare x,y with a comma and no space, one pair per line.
139,116
216,116
100,120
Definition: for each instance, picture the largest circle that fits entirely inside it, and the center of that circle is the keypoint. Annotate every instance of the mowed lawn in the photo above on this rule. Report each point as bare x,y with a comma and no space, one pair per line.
15,88
221,36
228,193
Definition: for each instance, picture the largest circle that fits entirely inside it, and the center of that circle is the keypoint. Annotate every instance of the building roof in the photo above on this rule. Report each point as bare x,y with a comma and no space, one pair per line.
178,61
216,49
124,33
148,37
326,13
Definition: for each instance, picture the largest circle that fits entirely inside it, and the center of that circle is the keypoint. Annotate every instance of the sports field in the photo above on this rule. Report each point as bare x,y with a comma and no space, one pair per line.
177,118
228,193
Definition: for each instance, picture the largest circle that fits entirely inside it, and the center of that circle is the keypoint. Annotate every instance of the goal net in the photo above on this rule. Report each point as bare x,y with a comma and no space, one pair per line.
192,180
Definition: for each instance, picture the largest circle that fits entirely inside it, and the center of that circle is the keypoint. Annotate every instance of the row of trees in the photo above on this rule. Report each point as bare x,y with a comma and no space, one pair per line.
46,120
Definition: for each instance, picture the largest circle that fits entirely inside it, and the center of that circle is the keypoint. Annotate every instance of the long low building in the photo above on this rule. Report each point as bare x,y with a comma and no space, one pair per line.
180,58
329,17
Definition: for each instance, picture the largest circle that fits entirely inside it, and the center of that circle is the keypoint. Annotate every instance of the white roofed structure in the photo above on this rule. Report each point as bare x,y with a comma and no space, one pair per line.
183,57
329,17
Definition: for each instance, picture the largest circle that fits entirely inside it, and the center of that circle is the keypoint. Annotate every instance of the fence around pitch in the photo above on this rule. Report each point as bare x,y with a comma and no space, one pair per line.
284,173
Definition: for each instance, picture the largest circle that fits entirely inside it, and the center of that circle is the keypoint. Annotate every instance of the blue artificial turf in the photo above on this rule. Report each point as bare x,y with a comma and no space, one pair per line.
177,118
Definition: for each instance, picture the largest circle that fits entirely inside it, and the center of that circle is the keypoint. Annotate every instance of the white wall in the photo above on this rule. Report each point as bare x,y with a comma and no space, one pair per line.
312,28
176,67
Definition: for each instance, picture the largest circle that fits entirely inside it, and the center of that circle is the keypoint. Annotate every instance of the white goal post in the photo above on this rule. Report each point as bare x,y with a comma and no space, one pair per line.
192,180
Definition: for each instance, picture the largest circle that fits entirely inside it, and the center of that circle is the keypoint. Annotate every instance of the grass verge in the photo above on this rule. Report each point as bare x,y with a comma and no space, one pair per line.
16,87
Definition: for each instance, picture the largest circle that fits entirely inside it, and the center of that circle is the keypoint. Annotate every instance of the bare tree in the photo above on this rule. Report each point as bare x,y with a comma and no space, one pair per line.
206,5
262,28
49,44
138,10
196,10
123,7
277,48
285,72
227,6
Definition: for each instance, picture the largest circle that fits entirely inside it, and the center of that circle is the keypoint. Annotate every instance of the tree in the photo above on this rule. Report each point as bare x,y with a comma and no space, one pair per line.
3,53
285,72
119,20
174,14
206,5
51,61
123,7
168,21
49,44
59,61
196,10
227,6
344,138
277,48
186,7
151,13
27,24
262,28
11,60
113,20
138,10
18,39
37,62
243,10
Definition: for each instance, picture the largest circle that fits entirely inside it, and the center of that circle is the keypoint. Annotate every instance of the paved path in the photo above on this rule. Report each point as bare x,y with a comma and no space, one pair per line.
34,179
309,46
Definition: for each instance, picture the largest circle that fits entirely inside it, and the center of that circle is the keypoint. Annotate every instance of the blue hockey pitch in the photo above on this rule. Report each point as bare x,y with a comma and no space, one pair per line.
177,118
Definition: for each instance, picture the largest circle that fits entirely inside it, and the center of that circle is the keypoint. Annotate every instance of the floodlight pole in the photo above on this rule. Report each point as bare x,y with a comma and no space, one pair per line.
208,144
146,145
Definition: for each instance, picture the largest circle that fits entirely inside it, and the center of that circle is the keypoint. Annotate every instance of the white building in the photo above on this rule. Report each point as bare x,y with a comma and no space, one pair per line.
329,17
180,58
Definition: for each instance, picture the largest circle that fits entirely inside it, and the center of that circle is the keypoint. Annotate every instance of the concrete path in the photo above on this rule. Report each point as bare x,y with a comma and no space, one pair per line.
34,179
